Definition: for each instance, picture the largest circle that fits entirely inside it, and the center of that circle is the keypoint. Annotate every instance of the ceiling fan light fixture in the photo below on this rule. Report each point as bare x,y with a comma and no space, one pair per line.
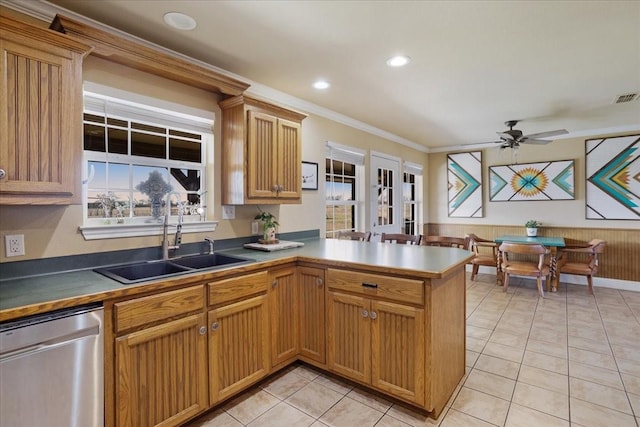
398,61
179,21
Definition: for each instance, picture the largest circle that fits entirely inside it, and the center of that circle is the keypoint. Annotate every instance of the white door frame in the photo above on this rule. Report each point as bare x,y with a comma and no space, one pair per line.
393,165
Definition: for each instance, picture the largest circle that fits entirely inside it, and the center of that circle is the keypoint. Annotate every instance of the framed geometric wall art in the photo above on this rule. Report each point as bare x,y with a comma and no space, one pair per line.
532,181
613,177
464,184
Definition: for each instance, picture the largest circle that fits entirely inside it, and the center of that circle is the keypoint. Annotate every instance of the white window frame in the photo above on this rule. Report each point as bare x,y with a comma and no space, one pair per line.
154,112
416,204
354,156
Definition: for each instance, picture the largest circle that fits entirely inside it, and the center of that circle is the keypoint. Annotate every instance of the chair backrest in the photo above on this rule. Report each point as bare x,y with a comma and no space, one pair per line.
475,243
597,247
452,242
363,236
524,249
400,238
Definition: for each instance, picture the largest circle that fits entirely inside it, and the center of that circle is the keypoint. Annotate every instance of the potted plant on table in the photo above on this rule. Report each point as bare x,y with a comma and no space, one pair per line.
532,227
269,224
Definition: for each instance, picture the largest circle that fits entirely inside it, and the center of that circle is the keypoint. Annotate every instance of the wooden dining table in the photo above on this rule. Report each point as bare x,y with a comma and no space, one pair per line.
553,243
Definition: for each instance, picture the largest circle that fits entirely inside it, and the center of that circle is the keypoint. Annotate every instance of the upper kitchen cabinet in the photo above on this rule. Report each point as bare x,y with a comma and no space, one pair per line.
261,152
40,114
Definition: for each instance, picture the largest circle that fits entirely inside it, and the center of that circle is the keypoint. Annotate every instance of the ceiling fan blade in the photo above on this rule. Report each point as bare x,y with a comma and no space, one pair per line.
546,134
526,140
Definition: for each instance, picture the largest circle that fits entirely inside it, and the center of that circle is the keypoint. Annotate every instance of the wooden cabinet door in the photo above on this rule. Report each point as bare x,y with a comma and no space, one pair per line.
40,121
289,160
162,373
312,323
261,155
398,350
349,336
283,305
238,346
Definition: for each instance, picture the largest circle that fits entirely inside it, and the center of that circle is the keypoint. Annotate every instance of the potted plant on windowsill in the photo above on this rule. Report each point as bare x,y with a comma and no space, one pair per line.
532,227
269,224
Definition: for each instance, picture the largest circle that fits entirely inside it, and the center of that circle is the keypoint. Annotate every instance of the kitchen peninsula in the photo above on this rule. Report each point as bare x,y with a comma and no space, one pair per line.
390,317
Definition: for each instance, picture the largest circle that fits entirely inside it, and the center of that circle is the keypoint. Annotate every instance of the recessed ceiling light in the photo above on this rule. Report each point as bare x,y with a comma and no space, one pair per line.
179,21
398,61
321,84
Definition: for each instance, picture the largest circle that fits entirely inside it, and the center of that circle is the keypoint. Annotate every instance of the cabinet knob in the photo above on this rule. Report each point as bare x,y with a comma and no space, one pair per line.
214,326
2,173
275,188
274,283
365,313
202,330
319,281
373,315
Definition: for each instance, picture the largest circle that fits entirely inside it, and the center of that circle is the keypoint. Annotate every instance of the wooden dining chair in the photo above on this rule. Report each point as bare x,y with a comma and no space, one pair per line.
486,254
525,268
363,236
583,262
446,241
403,239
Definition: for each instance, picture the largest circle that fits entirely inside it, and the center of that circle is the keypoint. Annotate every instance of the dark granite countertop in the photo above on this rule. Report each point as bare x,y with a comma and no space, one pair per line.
36,294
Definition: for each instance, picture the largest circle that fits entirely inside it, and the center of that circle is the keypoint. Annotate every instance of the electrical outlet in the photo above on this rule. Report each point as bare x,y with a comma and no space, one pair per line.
14,245
254,227
228,212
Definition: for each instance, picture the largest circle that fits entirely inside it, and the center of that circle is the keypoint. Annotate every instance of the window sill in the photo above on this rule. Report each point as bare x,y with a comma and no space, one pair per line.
96,232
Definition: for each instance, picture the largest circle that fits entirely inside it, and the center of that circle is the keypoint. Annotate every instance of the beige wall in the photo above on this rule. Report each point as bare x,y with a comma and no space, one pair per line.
552,213
51,231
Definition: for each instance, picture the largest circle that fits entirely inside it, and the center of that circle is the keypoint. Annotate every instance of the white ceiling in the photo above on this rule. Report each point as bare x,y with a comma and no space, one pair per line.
475,64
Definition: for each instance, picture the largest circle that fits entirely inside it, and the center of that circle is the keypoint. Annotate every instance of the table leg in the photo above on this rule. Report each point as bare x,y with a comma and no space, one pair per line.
500,275
553,263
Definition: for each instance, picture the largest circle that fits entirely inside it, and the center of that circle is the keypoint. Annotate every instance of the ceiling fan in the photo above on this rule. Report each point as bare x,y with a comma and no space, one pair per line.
512,138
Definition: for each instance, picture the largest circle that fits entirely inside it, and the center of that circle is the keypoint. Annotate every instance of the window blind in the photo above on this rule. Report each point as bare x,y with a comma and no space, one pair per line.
345,153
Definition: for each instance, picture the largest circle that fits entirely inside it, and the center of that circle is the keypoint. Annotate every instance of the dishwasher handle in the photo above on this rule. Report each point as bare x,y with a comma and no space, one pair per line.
47,345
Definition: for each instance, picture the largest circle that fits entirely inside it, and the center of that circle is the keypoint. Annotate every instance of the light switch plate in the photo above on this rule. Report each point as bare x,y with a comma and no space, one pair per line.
228,212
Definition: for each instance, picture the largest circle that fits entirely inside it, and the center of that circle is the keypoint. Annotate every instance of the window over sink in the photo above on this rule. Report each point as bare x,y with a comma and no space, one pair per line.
135,155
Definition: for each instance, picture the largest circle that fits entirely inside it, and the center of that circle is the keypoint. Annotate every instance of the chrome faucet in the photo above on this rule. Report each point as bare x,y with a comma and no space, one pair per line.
165,227
210,241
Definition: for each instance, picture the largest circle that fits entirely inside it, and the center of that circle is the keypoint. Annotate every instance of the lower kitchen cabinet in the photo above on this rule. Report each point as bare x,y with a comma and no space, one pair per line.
175,354
311,324
349,336
375,342
397,350
162,369
283,304
238,335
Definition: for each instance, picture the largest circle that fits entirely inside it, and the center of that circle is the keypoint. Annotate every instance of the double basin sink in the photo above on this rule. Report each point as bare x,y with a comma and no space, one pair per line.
151,270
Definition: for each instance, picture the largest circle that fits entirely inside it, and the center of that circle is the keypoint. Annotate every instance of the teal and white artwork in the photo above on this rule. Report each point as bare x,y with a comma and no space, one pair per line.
532,181
464,183
613,177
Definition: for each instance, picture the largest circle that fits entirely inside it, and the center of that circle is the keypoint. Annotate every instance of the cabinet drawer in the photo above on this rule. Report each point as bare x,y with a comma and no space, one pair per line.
140,311
375,285
223,291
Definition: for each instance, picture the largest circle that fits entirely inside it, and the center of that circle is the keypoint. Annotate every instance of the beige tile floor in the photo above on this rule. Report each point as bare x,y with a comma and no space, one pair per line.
567,360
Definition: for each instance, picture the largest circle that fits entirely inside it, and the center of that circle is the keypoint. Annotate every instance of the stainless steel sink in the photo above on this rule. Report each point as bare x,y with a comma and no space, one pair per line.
152,270
201,262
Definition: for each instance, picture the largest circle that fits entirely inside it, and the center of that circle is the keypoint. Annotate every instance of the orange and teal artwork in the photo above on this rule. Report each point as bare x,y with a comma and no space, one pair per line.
532,181
613,177
464,181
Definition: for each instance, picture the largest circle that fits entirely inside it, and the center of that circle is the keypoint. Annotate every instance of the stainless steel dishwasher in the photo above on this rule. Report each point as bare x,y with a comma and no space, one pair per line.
51,369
